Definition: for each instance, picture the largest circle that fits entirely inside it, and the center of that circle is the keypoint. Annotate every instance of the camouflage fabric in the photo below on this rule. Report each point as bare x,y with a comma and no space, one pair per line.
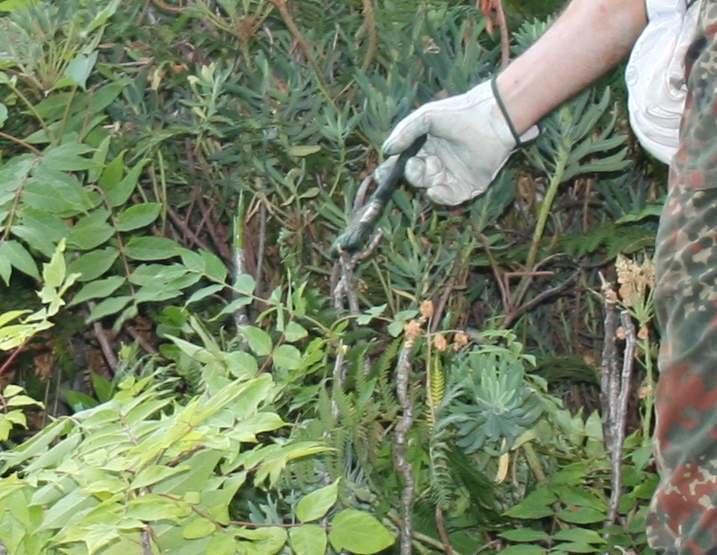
683,516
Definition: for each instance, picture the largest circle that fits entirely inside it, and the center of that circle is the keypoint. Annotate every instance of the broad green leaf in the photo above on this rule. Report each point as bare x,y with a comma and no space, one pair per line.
579,535
22,401
523,550
5,270
304,150
222,544
535,505
359,532
286,357
203,293
152,248
93,264
91,231
53,272
112,173
108,307
153,507
577,547
79,69
11,389
259,341
3,114
137,216
58,193
262,541
98,289
581,515
244,283
67,158
119,192
308,539
525,535
316,504
156,473
19,258
213,266
241,364
294,332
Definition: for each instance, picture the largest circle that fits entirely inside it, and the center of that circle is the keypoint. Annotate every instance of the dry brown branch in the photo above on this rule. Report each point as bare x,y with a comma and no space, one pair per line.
618,431
442,532
283,9
615,385
370,26
105,343
401,463
181,224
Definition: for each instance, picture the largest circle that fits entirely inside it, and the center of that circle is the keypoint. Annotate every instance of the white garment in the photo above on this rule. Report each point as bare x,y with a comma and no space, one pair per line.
655,75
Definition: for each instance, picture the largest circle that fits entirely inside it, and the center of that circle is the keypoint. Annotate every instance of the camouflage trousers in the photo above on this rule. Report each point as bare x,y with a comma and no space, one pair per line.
683,514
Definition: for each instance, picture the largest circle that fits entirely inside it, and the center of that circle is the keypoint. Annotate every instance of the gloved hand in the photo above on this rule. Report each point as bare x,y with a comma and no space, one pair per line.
469,141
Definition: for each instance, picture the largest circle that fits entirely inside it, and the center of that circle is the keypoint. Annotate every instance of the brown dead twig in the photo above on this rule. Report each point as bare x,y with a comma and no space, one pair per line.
495,17
615,385
370,27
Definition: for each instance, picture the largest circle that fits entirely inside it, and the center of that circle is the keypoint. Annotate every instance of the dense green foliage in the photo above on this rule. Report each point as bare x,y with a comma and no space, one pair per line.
171,179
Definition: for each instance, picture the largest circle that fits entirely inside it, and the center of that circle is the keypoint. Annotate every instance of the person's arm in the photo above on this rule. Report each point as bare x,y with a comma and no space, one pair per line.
589,38
470,136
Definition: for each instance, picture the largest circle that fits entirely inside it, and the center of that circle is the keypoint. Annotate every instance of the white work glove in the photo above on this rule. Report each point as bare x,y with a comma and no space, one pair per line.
469,140
655,75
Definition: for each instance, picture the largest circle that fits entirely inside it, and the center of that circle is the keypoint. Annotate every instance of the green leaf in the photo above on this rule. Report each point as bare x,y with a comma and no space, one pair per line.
22,401
98,289
53,272
308,539
359,532
203,293
213,266
581,515
286,357
112,173
259,341
294,332
5,270
241,364
525,535
119,192
91,230
577,548
19,258
3,114
198,528
108,307
579,535
137,216
245,284
316,504
11,389
79,69
66,158
535,505
156,473
222,544
102,387
304,150
152,248
523,550
93,264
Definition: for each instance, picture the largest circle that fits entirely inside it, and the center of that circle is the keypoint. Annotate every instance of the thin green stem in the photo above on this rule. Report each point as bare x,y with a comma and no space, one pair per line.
543,214
33,111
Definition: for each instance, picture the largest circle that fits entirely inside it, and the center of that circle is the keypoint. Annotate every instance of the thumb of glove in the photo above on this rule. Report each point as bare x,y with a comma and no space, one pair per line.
408,130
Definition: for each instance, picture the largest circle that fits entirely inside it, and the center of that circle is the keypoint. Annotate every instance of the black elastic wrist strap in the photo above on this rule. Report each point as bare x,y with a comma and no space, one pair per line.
504,111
